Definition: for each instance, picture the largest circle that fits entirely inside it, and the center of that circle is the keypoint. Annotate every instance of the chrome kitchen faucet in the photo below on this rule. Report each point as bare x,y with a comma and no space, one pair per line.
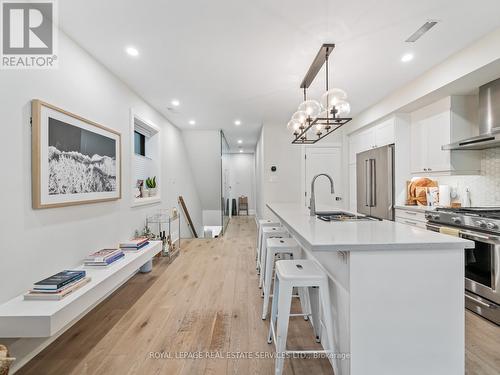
312,201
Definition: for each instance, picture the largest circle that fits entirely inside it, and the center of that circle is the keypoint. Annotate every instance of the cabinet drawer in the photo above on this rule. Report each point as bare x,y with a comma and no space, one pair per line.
412,222
410,214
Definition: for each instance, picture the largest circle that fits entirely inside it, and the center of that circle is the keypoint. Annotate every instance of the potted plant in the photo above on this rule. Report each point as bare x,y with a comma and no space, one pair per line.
151,184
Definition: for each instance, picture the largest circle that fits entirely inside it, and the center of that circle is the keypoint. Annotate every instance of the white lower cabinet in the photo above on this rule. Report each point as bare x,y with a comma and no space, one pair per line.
415,218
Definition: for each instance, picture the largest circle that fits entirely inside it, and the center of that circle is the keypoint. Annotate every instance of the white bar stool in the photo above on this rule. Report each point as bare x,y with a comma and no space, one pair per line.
301,274
263,223
276,246
268,232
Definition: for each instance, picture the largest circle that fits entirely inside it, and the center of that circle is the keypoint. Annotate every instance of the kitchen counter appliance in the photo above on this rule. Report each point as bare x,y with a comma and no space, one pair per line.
482,263
489,121
375,182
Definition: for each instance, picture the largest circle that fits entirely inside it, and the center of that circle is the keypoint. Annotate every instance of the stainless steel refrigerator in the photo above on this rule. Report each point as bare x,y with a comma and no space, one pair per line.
375,182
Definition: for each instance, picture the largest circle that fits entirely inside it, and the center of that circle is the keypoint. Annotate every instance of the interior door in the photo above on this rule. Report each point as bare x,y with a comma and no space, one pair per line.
324,160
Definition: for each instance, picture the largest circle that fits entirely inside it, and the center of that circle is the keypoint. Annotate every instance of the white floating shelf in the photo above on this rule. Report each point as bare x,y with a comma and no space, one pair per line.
20,318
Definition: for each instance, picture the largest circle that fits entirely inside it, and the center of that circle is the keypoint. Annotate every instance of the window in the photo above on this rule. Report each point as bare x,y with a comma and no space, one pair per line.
139,143
146,160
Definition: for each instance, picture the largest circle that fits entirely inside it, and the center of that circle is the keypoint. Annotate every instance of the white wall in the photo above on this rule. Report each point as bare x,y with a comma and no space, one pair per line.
242,178
259,172
204,153
284,184
38,243
274,148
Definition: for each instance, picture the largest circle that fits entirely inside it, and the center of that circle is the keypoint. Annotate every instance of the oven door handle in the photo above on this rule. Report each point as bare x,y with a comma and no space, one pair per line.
471,235
484,304
478,236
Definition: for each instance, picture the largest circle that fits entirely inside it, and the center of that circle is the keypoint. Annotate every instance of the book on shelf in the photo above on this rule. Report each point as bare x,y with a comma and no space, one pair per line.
59,280
105,262
135,242
135,248
39,295
102,255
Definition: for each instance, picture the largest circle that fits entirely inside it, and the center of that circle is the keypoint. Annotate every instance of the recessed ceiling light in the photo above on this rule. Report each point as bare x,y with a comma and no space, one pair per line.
132,51
237,122
407,57
241,150
240,141
192,122
175,102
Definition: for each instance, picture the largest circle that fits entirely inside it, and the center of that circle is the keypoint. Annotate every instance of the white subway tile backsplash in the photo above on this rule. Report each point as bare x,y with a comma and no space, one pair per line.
485,188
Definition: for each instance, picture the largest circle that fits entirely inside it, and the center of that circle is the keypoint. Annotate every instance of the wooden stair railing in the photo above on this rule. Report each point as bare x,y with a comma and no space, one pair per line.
188,217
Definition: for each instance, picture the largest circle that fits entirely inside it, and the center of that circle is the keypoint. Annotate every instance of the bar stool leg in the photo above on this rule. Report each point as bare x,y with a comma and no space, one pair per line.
259,251
315,312
284,304
268,279
327,317
263,256
274,309
304,301
258,247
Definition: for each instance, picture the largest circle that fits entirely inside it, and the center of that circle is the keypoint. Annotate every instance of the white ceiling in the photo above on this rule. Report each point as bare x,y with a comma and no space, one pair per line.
242,59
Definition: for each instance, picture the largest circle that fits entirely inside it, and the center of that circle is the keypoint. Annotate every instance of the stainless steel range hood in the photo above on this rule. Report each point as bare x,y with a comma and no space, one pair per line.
489,121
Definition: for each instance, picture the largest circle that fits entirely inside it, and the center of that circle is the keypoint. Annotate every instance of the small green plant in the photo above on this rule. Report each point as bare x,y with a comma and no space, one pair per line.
151,182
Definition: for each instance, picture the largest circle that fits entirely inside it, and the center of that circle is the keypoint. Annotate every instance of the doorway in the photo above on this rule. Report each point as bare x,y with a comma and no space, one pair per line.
323,160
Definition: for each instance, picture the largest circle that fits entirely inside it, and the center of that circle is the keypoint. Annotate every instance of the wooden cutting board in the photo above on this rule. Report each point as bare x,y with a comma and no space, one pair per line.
416,191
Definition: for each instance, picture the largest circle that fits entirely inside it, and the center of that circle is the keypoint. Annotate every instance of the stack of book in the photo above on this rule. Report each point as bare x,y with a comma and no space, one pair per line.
58,286
103,258
134,244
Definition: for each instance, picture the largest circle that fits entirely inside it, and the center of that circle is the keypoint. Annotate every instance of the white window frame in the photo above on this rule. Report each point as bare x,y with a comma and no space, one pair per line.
154,131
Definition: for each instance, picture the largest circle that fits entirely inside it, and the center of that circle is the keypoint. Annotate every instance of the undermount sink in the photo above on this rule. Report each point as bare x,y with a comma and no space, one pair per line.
341,216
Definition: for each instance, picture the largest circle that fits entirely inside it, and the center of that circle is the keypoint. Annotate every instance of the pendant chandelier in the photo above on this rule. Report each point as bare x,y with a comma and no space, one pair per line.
314,120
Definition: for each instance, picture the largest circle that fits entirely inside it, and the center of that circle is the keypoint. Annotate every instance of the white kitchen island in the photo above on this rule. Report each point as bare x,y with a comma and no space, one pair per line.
397,292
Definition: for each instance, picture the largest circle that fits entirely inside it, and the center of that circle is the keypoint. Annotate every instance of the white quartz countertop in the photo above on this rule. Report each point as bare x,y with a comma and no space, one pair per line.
318,235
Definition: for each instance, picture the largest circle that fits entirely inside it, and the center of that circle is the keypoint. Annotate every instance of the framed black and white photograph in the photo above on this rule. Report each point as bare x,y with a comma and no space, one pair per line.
74,160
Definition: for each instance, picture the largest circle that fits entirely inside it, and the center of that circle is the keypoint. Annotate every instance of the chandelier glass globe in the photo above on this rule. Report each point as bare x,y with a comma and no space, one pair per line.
300,117
332,97
293,126
343,108
311,107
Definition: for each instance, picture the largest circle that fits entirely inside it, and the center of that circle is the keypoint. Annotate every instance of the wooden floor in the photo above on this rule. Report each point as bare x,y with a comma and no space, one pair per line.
208,301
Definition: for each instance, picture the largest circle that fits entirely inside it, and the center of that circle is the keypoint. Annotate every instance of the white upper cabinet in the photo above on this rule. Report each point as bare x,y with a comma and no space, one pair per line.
438,124
384,133
379,135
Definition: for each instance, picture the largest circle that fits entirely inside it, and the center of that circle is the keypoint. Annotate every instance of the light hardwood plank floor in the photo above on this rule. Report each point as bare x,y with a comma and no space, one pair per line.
207,300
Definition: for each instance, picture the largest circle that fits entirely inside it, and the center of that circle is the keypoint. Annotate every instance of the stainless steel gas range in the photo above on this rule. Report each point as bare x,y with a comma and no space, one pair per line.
482,273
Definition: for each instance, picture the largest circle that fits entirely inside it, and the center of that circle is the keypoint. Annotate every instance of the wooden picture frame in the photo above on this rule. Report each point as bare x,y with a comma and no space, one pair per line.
73,160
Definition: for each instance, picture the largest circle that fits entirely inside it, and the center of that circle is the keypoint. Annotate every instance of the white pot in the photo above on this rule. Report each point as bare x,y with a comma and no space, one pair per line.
145,193
152,192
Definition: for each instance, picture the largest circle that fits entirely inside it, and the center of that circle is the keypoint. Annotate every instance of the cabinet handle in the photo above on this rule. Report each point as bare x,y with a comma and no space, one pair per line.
411,213
410,222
